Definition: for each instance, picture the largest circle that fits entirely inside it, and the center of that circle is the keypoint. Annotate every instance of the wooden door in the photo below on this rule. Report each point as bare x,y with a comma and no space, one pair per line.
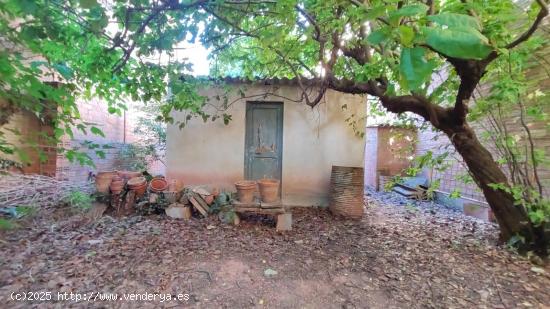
264,140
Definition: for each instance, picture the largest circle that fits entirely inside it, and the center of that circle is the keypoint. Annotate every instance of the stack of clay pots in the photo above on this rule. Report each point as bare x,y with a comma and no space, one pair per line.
138,184
103,181
116,185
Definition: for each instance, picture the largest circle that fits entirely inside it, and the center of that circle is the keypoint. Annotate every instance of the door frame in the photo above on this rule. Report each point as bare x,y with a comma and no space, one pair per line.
279,105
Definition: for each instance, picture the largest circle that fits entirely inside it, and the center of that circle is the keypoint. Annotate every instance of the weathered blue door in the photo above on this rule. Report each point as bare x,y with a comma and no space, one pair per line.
264,140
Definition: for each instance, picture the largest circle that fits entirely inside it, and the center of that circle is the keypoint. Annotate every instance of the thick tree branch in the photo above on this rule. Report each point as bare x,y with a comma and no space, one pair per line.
527,34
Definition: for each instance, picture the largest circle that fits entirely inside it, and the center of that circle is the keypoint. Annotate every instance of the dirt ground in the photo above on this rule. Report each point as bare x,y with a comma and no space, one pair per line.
396,257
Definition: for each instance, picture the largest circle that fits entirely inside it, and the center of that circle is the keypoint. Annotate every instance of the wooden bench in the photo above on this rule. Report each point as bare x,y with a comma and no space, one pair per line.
284,216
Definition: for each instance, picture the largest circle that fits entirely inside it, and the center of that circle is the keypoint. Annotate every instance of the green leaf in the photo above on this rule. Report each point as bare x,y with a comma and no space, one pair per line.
27,6
64,70
457,43
58,133
414,68
375,12
88,4
406,35
409,10
454,20
97,131
377,36
69,132
100,154
226,119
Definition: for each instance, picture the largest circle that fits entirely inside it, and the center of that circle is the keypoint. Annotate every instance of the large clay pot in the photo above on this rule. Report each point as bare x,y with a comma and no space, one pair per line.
138,185
245,191
347,192
158,184
103,181
269,190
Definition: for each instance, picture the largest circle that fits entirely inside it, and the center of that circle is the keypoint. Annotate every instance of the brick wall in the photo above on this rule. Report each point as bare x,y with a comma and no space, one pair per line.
118,131
23,131
388,150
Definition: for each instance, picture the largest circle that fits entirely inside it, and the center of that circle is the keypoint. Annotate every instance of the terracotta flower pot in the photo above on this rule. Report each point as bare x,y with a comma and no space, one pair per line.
245,191
158,184
103,181
139,185
269,190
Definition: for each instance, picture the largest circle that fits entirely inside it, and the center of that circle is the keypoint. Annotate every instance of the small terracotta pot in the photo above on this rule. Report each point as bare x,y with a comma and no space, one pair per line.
269,190
245,191
103,181
139,185
158,184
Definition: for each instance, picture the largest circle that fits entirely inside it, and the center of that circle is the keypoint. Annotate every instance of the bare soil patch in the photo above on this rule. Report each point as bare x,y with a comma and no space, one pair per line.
395,257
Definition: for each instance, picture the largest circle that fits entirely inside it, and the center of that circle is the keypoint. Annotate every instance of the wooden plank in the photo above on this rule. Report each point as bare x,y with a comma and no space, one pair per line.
198,206
201,201
237,204
266,211
403,191
277,204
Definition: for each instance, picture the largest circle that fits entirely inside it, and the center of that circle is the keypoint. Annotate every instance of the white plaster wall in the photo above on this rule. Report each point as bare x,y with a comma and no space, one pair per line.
313,140
371,156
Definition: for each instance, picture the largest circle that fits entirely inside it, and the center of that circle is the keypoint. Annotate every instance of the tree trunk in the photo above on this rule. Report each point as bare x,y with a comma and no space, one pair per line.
512,219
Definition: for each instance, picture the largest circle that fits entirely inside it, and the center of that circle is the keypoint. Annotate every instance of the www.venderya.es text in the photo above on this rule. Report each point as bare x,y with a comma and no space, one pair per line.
97,296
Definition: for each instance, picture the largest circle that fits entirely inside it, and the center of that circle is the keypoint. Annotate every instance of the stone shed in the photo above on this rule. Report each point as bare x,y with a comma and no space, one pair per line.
269,136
